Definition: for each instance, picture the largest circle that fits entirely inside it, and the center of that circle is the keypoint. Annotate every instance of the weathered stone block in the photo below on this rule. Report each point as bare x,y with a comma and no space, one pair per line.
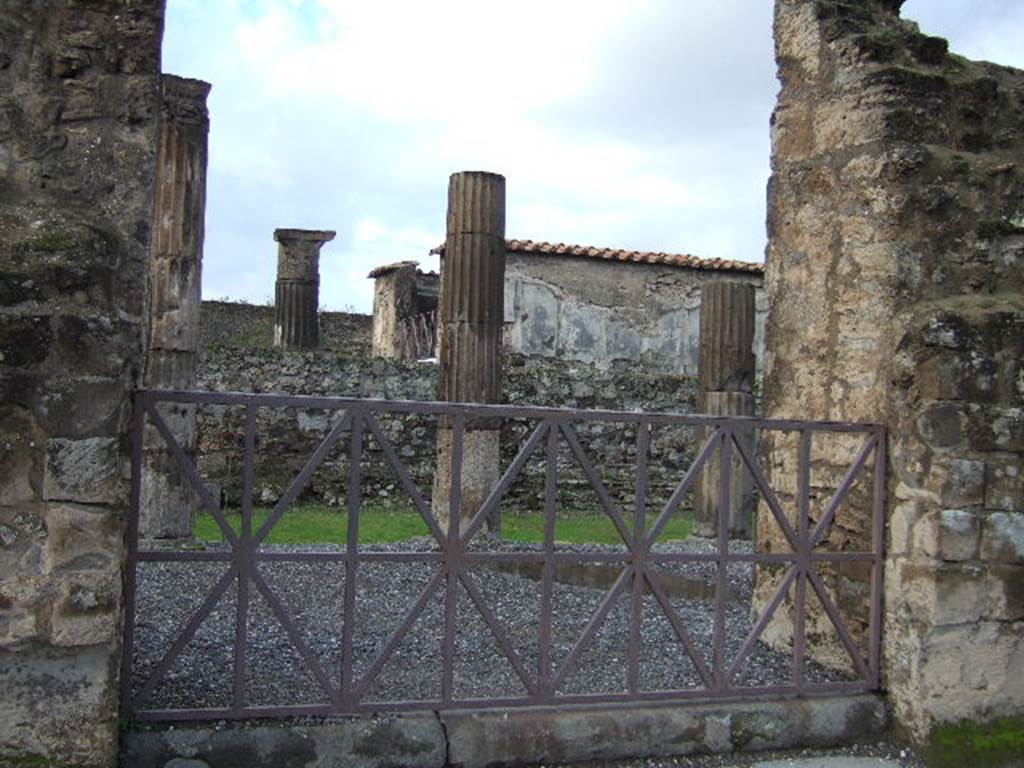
965,481
25,341
950,534
959,534
1002,539
22,454
82,537
77,408
85,613
943,425
87,470
96,346
1004,483
69,698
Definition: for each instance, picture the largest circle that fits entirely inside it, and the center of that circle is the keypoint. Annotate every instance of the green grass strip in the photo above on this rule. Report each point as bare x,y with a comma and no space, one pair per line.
314,524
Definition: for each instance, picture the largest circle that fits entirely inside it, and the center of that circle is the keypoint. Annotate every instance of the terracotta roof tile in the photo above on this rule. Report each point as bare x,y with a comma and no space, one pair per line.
618,254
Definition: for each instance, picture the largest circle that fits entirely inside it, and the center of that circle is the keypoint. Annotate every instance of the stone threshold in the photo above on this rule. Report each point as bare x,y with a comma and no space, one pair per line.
480,738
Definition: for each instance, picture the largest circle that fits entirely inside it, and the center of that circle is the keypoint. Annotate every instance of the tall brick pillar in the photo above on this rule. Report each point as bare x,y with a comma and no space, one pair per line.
297,292
168,502
471,309
394,293
726,379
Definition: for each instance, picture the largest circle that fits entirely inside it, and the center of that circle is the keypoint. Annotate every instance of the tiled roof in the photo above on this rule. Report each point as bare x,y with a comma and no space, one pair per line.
622,255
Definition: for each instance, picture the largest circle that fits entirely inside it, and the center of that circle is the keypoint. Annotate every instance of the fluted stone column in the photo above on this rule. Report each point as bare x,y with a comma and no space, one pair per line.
726,377
297,291
168,502
471,310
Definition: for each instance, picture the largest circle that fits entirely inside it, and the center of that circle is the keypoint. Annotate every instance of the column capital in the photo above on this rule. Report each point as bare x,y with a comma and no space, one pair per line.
286,236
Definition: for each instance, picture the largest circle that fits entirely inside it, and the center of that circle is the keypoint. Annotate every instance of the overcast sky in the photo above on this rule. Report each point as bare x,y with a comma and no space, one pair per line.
629,123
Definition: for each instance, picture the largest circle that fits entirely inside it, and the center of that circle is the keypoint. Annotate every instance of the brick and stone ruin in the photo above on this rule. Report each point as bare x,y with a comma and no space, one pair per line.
893,293
609,307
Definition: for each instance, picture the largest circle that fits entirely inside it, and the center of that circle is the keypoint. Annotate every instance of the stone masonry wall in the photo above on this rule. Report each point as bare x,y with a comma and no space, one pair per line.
286,438
895,271
605,313
79,108
233,324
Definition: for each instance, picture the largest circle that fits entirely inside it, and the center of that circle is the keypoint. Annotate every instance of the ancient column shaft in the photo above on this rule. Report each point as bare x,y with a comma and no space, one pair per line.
297,291
471,310
726,337
726,389
168,502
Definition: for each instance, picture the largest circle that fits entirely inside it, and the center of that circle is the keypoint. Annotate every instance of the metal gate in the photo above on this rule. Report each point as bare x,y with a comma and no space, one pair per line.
452,558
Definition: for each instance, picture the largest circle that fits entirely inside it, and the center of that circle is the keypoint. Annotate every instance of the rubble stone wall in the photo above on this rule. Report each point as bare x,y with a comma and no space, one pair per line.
895,271
286,438
79,111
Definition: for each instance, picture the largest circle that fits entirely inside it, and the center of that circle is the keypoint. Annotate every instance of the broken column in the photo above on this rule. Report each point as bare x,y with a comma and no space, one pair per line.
394,295
726,381
297,291
471,309
168,502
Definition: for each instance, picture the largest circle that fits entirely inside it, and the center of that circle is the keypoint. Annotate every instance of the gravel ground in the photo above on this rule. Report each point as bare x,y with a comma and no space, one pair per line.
313,594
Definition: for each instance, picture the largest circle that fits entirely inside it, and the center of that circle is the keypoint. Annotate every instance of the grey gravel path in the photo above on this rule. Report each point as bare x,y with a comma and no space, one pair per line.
313,594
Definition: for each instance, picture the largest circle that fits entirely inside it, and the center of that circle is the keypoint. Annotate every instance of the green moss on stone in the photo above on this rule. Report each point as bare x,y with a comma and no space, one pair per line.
52,241
988,744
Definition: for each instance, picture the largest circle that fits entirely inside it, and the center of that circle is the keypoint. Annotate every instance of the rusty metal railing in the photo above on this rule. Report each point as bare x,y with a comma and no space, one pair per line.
345,690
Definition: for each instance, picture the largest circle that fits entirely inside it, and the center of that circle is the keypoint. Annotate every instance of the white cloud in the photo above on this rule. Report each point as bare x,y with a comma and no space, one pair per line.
637,124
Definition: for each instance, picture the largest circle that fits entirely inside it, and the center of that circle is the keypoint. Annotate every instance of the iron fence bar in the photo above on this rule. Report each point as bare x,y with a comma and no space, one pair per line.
452,561
722,581
497,631
762,622
677,627
878,545
643,445
710,445
840,625
766,492
355,455
187,633
130,575
294,637
803,561
397,636
243,555
637,559
485,410
190,472
595,623
844,489
299,483
494,497
405,479
544,679
603,496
